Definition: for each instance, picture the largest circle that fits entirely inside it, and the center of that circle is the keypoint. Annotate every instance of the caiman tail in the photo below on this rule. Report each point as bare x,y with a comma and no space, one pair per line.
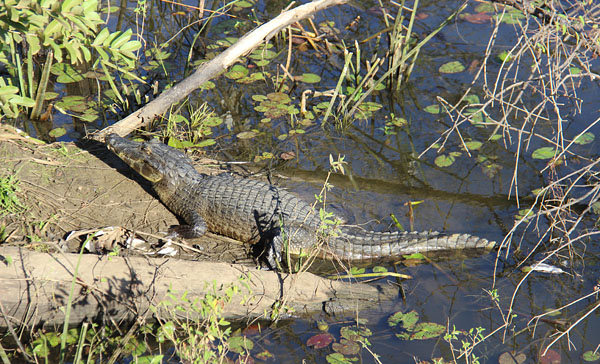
354,243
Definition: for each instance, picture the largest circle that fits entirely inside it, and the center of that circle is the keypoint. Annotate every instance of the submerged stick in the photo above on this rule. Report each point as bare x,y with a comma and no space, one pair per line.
214,67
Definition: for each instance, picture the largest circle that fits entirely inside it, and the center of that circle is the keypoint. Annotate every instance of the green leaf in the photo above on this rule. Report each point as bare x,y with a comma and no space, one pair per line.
406,321
452,67
504,56
57,132
473,145
337,358
414,256
544,153
246,135
444,160
432,109
131,46
591,356
585,138
104,33
471,99
379,269
427,330
310,78
121,39
8,90
240,344
23,101
574,70
236,72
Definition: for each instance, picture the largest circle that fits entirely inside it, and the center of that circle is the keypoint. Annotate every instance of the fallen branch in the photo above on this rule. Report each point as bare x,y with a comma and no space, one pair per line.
210,69
35,288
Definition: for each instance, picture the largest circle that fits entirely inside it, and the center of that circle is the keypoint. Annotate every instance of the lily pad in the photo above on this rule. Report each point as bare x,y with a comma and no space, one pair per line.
585,138
551,357
452,67
236,72
337,358
432,109
320,341
511,358
473,145
591,356
57,132
444,160
240,344
310,78
346,347
403,320
247,135
427,330
544,153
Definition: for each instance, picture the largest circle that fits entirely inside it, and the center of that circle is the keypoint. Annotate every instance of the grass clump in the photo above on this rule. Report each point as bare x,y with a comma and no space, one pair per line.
9,200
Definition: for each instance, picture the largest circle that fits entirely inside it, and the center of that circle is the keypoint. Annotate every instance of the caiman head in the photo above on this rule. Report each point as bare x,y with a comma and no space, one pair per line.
153,160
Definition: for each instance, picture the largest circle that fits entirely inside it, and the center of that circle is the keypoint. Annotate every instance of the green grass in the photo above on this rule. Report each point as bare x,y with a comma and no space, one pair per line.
9,200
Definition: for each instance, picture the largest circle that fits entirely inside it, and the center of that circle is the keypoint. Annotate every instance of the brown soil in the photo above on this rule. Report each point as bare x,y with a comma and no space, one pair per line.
67,188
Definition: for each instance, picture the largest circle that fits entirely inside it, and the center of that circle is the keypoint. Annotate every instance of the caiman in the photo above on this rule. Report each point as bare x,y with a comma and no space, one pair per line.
254,211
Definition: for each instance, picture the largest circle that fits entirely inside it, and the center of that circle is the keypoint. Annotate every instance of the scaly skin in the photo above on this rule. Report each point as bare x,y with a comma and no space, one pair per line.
250,210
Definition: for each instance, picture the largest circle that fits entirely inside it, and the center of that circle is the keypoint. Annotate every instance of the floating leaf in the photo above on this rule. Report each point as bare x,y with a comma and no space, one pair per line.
432,109
552,312
337,358
246,135
452,67
427,330
310,78
346,347
279,97
512,358
370,106
379,269
237,71
208,85
263,54
473,145
504,56
444,160
320,341
244,4
57,132
240,344
551,357
544,153
414,256
585,138
591,356
471,99
477,18
403,320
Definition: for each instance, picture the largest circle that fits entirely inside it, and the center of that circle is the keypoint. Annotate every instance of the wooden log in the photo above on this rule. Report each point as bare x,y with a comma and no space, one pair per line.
35,286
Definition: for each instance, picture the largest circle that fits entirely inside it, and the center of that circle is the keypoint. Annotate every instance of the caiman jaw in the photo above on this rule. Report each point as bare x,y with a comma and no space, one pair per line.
137,155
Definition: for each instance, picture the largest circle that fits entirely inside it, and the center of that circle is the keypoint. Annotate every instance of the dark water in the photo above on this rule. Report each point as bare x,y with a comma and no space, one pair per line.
383,173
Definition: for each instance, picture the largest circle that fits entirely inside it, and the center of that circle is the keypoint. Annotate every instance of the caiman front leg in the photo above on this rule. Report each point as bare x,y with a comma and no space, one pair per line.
195,227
